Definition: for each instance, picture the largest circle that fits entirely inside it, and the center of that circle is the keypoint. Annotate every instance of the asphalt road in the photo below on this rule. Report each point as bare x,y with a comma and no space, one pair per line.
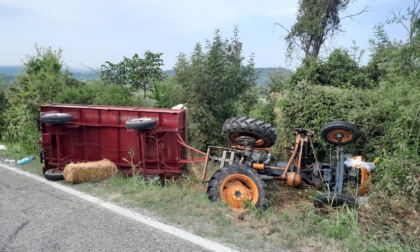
35,216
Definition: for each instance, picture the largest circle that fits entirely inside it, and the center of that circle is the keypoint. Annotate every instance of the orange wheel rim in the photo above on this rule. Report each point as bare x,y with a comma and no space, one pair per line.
258,141
347,135
237,188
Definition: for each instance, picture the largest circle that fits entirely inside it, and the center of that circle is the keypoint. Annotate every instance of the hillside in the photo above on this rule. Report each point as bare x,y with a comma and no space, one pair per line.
8,73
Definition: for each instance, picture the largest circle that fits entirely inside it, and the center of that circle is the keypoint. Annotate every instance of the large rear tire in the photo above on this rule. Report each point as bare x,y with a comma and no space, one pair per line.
264,133
236,184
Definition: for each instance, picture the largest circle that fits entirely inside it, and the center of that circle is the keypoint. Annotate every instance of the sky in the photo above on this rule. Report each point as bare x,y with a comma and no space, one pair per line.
91,32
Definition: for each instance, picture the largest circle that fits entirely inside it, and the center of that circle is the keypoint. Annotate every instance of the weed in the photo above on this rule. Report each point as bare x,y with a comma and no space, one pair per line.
131,162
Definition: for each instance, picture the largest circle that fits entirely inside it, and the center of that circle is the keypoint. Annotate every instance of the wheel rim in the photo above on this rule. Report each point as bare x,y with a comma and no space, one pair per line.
141,120
258,140
54,171
237,188
346,135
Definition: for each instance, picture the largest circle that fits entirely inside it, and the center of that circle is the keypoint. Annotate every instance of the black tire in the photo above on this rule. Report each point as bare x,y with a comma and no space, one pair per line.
54,174
328,201
55,118
224,178
349,131
264,133
141,123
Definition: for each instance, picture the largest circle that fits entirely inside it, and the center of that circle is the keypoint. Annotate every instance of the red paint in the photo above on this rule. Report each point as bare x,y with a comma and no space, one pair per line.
97,132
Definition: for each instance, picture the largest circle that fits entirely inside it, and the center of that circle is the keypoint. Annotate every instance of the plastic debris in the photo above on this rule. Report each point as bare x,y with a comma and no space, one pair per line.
25,160
357,162
3,147
179,106
10,161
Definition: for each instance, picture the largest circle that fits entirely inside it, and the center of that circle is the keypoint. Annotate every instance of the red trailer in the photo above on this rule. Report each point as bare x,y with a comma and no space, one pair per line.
80,133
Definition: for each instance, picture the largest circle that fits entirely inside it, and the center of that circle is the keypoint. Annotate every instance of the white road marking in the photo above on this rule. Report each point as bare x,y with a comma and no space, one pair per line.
198,240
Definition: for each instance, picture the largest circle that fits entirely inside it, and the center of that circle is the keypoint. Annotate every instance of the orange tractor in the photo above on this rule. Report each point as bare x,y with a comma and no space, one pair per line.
247,162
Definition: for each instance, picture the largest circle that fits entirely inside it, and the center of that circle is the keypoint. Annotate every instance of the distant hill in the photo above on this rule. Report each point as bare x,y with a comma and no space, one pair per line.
263,74
11,70
8,73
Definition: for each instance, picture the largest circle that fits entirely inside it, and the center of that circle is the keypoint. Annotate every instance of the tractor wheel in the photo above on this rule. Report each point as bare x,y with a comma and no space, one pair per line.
236,184
329,201
55,118
348,131
141,123
54,174
264,133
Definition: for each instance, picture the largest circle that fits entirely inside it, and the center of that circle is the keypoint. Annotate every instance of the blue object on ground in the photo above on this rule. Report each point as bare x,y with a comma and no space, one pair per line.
24,160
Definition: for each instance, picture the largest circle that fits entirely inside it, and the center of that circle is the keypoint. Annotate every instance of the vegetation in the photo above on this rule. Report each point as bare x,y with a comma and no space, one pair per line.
317,21
136,73
381,98
213,83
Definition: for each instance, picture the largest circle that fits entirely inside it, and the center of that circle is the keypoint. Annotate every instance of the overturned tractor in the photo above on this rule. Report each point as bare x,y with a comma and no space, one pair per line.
247,162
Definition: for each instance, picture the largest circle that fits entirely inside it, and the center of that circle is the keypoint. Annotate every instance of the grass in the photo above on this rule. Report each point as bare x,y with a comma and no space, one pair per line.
291,222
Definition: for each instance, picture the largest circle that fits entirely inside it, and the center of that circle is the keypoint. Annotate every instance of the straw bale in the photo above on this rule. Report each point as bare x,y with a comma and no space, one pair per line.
83,172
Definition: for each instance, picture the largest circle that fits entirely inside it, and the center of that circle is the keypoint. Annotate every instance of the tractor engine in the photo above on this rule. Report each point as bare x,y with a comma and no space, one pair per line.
262,156
252,155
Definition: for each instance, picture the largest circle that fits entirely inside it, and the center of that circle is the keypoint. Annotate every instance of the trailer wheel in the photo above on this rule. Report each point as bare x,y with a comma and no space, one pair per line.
141,123
54,174
348,131
331,201
264,133
236,184
55,118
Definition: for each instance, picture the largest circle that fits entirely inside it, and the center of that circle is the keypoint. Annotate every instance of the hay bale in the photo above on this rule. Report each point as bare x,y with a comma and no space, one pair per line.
83,172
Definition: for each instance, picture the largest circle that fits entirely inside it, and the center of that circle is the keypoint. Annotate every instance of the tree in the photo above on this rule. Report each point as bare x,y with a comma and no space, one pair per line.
317,21
41,83
137,73
212,82
409,21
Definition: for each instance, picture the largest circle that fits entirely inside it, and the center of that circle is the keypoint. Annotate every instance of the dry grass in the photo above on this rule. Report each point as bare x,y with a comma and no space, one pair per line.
84,172
388,218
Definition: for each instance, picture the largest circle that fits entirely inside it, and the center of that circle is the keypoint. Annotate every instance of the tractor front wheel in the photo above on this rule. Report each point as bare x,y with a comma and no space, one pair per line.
329,201
236,184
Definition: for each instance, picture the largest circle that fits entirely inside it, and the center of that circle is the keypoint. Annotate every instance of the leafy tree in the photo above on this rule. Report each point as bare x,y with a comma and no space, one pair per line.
137,73
41,83
212,82
317,21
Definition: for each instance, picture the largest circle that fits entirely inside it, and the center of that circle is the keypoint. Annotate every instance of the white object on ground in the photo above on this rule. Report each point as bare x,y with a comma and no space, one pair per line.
359,163
3,147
